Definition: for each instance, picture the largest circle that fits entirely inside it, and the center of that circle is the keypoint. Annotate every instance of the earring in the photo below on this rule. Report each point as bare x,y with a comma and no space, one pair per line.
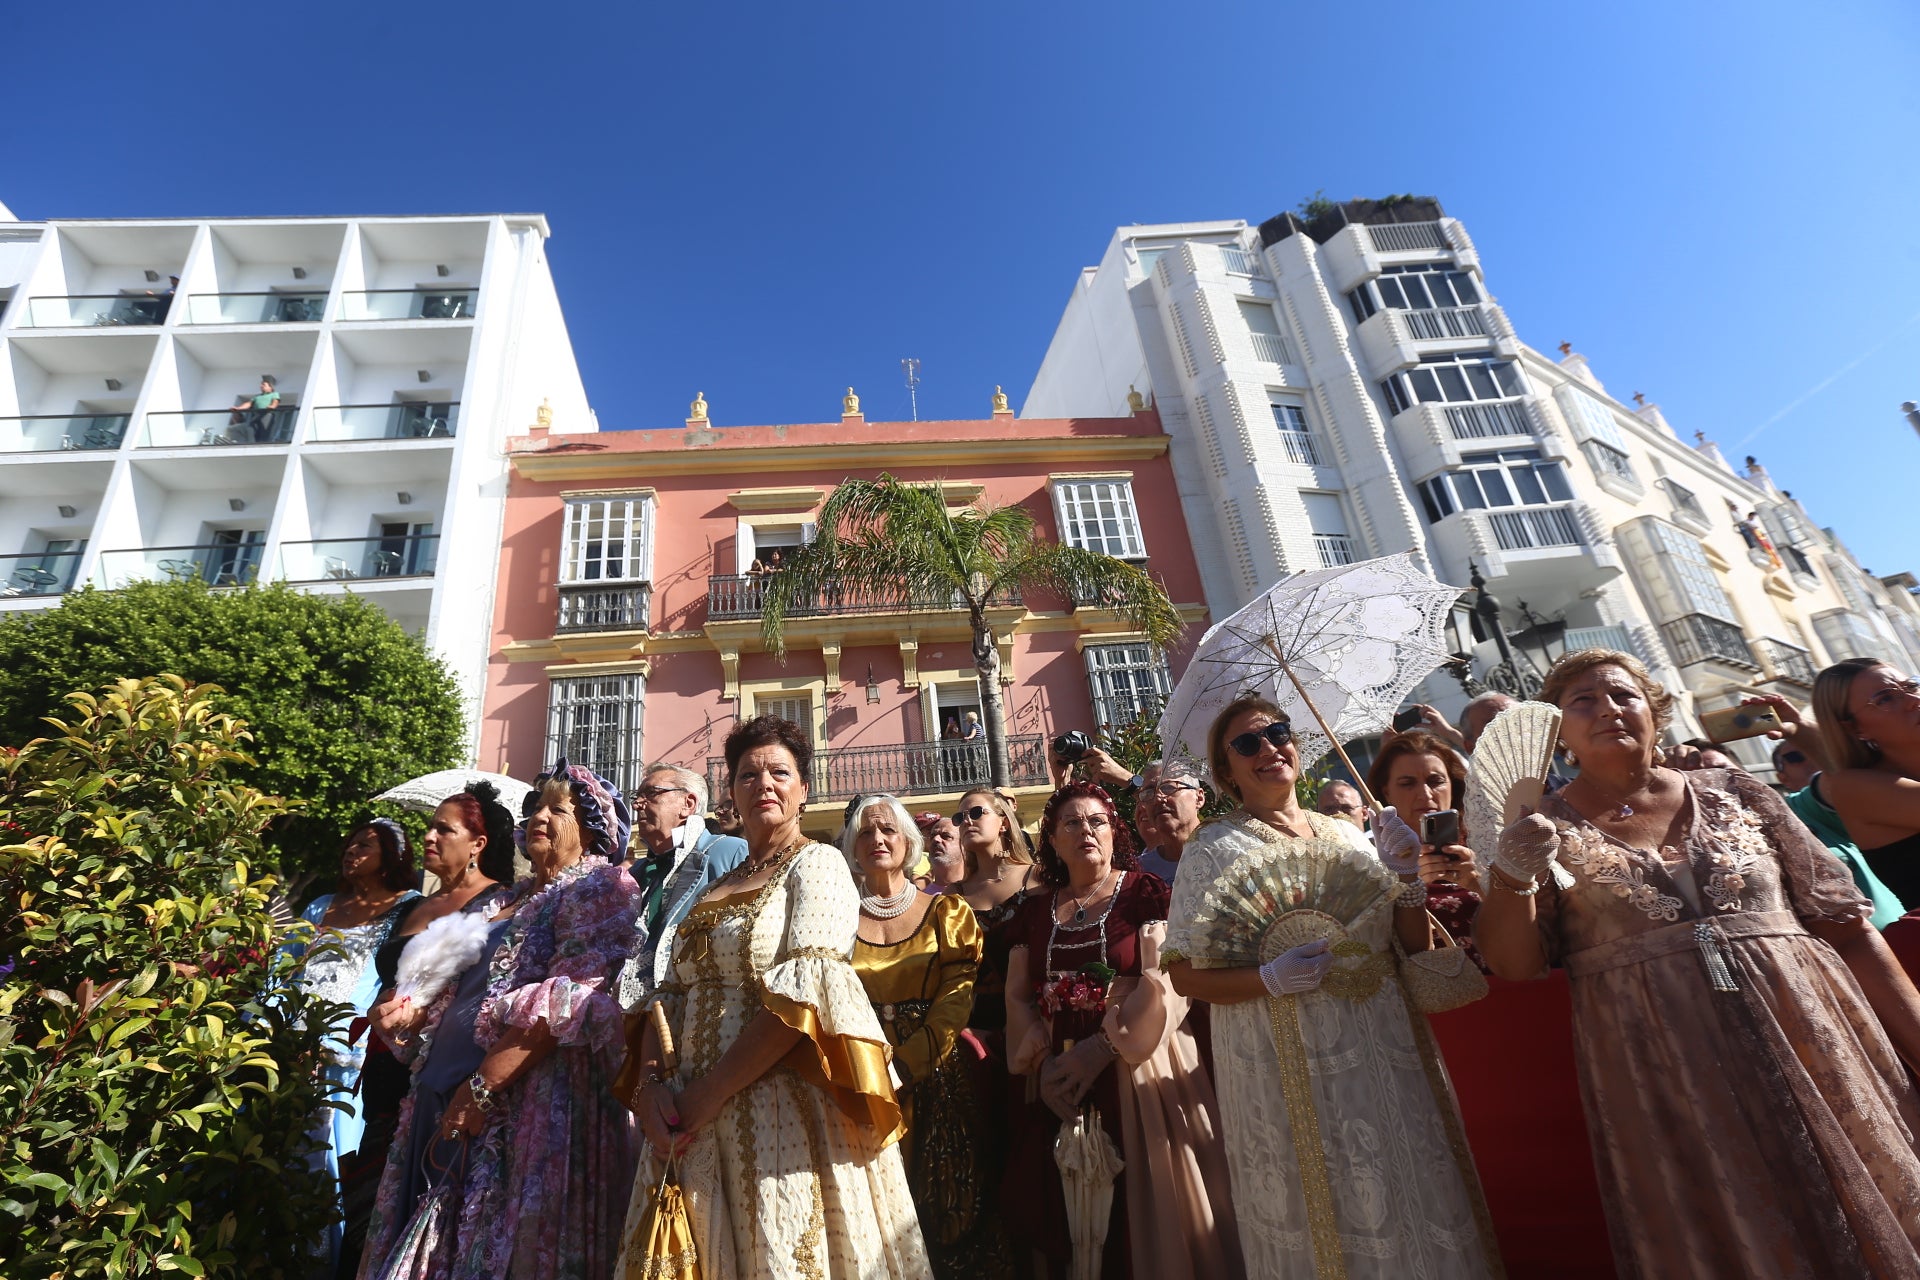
1869,744
1567,752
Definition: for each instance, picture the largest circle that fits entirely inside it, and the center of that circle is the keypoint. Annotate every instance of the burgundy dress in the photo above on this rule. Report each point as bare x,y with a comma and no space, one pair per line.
1033,1203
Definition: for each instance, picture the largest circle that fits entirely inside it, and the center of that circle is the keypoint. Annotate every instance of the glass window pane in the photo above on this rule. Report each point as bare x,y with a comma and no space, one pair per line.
1483,388
1555,482
1416,287
1426,388
1466,487
1510,380
1495,485
1531,494
1463,288
1453,383
1390,294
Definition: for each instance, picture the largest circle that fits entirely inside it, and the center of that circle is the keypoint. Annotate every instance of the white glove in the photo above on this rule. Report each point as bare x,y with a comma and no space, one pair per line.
1396,843
1527,848
1298,970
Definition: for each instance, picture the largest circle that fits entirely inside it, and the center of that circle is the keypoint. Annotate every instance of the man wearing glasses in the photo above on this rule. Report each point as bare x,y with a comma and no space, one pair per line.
675,860
1166,813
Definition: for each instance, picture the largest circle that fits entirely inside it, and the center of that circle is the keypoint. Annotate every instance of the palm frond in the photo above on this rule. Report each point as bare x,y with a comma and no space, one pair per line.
1101,581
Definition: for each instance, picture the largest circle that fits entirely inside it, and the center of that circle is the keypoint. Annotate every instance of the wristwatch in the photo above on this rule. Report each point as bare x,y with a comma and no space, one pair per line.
1136,782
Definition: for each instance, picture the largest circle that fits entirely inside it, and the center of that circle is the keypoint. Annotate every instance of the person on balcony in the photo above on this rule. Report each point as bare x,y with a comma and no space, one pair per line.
257,412
676,860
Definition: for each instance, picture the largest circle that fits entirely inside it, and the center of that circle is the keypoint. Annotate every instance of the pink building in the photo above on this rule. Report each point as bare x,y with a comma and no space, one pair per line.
628,625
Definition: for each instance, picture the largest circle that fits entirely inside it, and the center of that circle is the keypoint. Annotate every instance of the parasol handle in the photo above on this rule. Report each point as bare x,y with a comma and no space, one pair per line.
665,1033
1359,779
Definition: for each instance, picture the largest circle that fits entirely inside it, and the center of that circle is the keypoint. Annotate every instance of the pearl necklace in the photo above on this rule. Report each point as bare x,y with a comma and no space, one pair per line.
890,908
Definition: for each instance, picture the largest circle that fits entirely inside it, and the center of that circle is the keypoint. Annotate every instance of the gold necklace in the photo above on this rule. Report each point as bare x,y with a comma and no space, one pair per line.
748,869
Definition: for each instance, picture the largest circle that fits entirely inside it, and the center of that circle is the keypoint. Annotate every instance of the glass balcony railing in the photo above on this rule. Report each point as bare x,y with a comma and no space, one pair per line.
191,428
408,304
221,564
264,307
90,310
48,433
411,420
38,573
354,559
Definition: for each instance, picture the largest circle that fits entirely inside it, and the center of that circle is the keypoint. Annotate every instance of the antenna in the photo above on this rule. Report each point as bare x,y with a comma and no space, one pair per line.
911,368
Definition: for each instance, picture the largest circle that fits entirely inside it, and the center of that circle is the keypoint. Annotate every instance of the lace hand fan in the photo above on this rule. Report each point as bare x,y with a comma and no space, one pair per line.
1271,901
1508,773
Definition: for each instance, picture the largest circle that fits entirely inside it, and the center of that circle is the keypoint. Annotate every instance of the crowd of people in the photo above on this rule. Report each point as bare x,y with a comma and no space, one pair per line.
1665,997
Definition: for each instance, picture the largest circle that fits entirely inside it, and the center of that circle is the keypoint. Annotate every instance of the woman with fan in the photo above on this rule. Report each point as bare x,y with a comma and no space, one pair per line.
1287,922
1090,1014
1739,1024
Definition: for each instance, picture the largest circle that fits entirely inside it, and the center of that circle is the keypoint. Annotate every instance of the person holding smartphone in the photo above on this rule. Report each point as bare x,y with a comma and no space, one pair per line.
1421,778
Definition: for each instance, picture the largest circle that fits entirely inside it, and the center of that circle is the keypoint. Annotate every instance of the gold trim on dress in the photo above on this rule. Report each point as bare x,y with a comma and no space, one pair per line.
851,1071
1449,1108
1303,1119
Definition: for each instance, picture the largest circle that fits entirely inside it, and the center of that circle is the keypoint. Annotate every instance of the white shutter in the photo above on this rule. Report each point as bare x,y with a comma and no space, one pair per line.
743,547
808,532
1325,514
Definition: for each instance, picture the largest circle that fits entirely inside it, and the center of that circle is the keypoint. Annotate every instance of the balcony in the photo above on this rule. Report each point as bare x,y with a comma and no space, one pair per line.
38,573
1696,637
1335,549
1300,448
1527,528
599,606
408,420
97,310
195,428
224,564
1488,420
1787,662
408,304
265,307
51,433
910,769
1615,638
359,559
1407,237
1240,262
1687,511
1272,348
736,596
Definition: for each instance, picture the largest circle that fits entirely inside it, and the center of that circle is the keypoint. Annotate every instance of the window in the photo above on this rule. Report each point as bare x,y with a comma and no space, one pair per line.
1510,478
1295,435
402,550
1459,377
1127,681
1099,515
1593,420
1685,504
1149,258
794,708
608,540
1269,343
1327,517
1419,286
235,557
1688,572
1609,461
595,721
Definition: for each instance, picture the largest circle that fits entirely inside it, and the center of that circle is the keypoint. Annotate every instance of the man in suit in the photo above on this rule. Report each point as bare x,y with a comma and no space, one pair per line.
676,859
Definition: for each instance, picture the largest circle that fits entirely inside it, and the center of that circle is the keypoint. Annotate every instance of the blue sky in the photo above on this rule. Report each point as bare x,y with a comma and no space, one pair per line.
1718,204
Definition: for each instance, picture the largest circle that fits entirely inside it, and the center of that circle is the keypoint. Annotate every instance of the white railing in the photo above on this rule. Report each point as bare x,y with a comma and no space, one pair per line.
1494,418
1300,448
1525,528
1406,237
1446,322
1240,262
1335,549
1614,637
1273,348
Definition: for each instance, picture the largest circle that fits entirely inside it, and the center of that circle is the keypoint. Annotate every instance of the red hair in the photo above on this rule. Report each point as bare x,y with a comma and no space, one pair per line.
1053,871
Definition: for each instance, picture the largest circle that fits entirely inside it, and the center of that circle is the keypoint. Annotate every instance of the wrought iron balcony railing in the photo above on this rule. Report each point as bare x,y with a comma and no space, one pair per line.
1696,637
602,606
743,595
909,769
1789,662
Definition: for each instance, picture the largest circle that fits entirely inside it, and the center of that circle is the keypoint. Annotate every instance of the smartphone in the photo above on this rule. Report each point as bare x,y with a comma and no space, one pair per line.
1408,719
1440,829
1730,724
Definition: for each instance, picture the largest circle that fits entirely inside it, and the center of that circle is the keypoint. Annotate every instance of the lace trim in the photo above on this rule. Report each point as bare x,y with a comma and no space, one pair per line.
1303,1121
1611,869
812,953
1737,845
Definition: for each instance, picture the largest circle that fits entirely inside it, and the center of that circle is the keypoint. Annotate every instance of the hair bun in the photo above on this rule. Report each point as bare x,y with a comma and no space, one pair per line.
484,791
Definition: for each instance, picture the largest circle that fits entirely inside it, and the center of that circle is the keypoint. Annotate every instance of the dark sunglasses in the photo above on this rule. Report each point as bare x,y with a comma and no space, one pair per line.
973,814
1793,757
1279,734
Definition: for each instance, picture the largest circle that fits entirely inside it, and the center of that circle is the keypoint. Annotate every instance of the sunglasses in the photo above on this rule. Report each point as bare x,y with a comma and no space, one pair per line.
1278,734
973,814
1793,757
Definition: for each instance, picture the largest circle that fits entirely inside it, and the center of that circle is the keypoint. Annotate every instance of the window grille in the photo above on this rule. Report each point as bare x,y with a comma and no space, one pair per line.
1127,681
595,721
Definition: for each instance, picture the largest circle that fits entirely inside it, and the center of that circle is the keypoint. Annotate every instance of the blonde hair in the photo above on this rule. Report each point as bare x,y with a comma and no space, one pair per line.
1217,736
1011,837
1572,666
1844,749
916,862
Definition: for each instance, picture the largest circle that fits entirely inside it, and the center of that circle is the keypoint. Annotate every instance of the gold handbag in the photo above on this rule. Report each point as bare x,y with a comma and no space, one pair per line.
662,1246
1440,978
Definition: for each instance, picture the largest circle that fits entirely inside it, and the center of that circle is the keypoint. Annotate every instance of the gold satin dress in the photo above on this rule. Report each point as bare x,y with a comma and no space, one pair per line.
922,990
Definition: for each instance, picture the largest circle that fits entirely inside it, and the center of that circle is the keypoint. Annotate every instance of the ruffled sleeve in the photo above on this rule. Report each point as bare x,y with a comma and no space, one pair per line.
812,987
592,930
1818,885
961,944
1199,868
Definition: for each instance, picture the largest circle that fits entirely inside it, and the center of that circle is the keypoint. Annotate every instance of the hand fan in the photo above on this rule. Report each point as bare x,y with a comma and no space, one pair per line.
1508,773
438,957
1273,899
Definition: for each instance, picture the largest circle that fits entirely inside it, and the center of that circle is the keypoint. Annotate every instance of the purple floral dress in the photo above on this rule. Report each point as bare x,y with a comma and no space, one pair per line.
543,1191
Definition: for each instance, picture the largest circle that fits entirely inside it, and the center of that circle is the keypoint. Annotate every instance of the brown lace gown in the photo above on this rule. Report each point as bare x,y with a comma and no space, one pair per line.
1749,1116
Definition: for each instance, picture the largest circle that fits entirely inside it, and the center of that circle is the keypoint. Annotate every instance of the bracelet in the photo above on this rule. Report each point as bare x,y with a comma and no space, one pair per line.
1107,1040
1412,893
484,1098
1500,880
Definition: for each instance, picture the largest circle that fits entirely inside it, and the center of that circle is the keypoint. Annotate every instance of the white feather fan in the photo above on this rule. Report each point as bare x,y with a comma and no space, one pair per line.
443,951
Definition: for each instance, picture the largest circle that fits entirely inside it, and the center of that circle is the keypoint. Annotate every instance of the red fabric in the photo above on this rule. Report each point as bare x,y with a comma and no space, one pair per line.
1903,935
1511,1059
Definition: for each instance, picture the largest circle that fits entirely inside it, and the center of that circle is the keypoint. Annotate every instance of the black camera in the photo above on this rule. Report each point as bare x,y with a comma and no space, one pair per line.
1071,746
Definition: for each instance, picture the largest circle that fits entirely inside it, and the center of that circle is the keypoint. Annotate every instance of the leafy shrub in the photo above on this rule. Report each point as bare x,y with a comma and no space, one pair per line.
157,1070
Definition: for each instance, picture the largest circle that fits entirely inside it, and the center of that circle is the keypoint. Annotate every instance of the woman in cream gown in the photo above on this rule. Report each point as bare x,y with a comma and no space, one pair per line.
1345,1147
780,1106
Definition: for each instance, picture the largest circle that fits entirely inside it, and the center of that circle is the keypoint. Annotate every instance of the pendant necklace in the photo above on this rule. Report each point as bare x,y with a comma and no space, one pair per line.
1080,910
881,908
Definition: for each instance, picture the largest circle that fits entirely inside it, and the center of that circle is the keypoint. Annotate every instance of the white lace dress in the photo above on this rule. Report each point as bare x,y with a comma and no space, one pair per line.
1387,1174
800,1175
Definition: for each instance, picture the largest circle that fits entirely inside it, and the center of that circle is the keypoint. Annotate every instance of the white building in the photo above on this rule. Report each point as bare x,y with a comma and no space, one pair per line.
1348,387
405,351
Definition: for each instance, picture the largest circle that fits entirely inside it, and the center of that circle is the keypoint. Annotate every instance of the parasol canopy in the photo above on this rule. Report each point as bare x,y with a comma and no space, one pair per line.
1089,1163
424,793
1339,649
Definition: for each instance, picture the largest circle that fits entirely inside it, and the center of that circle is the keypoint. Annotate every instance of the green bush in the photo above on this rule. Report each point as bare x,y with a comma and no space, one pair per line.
342,702
157,1069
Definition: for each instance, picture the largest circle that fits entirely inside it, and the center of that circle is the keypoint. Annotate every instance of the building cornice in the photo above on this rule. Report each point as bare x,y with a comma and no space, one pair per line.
578,462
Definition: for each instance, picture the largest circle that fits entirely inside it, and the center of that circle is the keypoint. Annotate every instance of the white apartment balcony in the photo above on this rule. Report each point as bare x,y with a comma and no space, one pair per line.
413,272
1391,339
1335,549
1433,437
63,433
107,277
390,383
95,311
234,427
219,564
401,420
276,273
270,306
1546,554
409,304
1697,638
1357,251
377,559
39,573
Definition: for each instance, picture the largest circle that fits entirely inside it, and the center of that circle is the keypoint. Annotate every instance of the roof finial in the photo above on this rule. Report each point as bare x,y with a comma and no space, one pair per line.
697,411
1000,400
850,405
1136,402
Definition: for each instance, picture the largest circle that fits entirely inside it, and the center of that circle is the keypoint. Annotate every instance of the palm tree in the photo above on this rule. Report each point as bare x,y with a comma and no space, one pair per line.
896,540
